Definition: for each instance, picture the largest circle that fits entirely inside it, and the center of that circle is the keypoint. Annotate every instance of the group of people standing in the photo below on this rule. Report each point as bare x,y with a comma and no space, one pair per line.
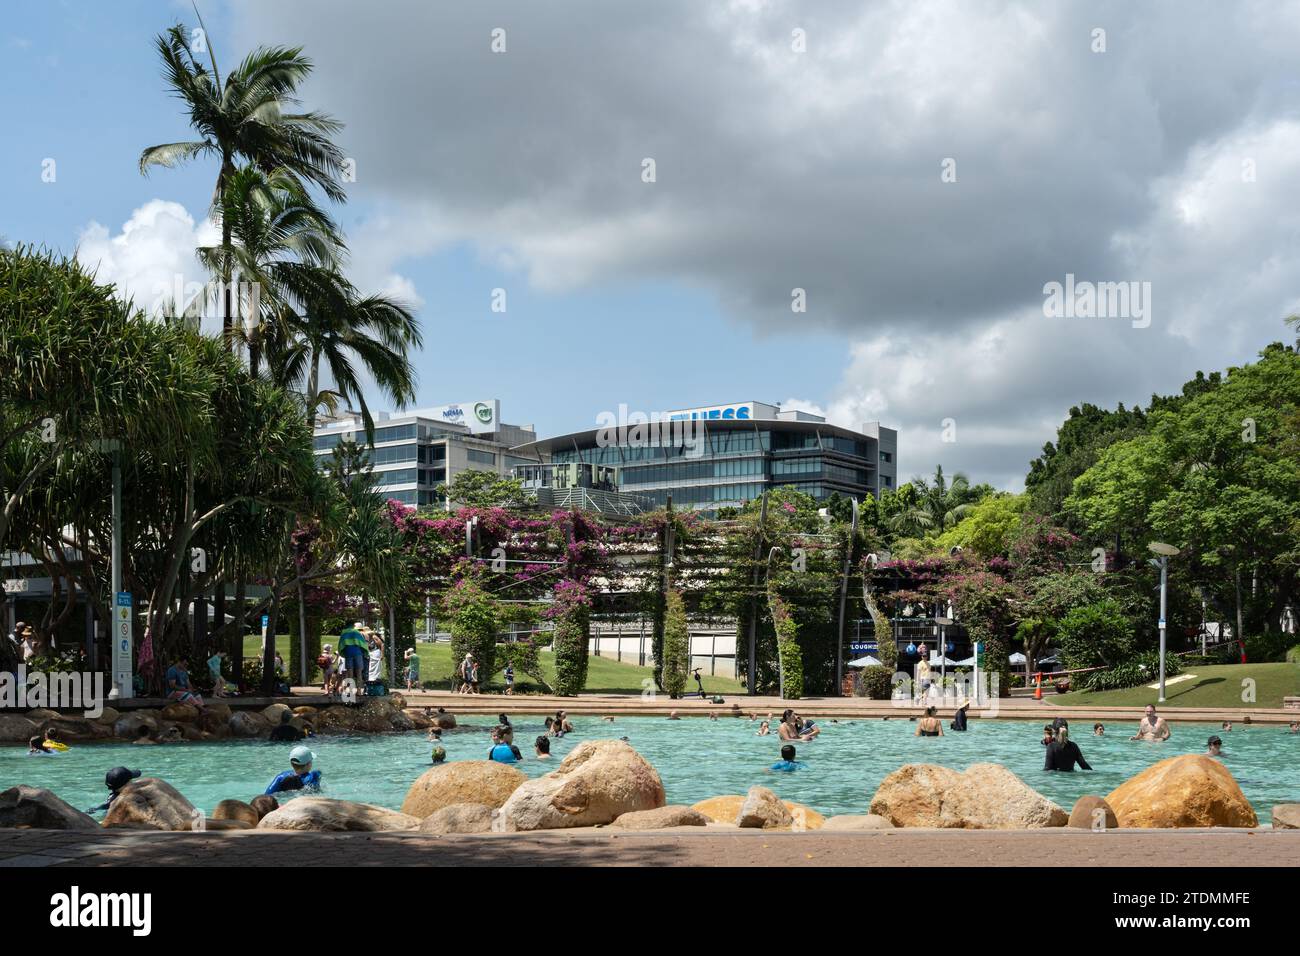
359,657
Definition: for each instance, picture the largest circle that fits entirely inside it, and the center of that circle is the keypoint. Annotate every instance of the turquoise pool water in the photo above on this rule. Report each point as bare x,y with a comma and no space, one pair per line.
696,758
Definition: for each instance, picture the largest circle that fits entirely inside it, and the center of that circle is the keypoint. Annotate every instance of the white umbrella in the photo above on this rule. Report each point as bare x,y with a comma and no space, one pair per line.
1017,658
935,658
968,662
867,661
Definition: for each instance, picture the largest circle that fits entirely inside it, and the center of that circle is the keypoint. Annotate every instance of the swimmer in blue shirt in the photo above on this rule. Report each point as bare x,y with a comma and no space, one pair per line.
787,763
300,776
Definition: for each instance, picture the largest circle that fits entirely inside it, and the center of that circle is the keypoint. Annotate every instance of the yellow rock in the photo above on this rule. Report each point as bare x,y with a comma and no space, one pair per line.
726,809
1187,791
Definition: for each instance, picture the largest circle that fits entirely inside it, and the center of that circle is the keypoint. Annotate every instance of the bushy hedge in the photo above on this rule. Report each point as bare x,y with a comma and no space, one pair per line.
1096,635
473,620
677,646
1142,669
1293,655
875,682
1269,648
572,615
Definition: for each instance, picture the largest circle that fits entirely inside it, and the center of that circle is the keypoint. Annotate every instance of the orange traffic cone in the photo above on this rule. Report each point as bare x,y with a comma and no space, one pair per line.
1038,685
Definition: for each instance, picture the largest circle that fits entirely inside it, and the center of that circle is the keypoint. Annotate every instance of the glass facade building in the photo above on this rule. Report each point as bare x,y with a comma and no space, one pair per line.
726,456
415,453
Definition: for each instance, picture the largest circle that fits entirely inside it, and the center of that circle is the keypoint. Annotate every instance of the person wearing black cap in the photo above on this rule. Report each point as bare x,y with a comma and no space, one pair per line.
115,780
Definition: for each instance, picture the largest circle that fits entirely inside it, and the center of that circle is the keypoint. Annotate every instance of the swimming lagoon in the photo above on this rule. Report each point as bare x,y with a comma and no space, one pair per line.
695,757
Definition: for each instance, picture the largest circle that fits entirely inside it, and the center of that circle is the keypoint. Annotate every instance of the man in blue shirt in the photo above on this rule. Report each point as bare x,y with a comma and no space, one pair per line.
787,763
300,776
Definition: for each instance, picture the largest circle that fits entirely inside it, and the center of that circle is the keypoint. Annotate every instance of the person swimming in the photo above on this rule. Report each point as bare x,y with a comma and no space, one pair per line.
36,747
1214,746
787,763
959,716
115,780
1098,730
439,754
1063,753
764,729
542,747
929,725
299,776
504,750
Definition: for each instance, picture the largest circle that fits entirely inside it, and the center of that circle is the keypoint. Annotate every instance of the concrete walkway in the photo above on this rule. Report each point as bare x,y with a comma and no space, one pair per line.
687,846
652,705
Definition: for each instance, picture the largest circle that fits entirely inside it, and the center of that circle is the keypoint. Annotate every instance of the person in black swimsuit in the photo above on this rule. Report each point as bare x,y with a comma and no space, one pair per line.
959,716
929,725
1063,753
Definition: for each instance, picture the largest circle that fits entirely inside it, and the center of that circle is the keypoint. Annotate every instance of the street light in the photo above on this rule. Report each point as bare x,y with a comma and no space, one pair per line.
1165,552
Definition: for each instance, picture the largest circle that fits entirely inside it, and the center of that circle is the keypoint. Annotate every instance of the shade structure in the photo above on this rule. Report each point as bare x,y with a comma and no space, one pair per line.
867,661
1017,658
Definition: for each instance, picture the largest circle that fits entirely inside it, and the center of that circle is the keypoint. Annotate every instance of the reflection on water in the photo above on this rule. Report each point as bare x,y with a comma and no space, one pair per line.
696,758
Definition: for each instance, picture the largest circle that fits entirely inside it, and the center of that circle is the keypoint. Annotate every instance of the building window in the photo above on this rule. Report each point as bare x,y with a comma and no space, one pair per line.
482,457
886,457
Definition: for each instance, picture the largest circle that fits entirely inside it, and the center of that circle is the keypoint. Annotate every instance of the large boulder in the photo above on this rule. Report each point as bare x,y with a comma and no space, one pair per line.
416,716
661,818
443,720
15,729
217,707
41,809
1286,816
272,713
337,719
248,723
43,715
596,783
986,796
1191,790
1092,813
857,821
180,713
763,810
263,804
151,803
459,818
107,715
235,810
306,712
463,781
726,810
127,727
326,815
73,728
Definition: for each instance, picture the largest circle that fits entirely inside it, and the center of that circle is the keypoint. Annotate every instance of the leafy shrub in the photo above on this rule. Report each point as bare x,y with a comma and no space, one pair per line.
677,646
1293,655
875,682
523,655
572,615
1096,635
787,649
473,619
1268,648
1141,669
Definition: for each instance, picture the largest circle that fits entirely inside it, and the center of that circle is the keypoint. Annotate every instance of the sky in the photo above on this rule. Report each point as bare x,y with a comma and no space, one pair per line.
853,208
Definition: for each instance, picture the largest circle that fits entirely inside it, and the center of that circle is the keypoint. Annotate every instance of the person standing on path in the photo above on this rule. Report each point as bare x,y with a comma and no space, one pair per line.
353,647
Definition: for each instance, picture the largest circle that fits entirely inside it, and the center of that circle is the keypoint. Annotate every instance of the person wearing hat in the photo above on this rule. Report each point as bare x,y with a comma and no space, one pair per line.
1214,746
439,754
326,664
299,776
115,780
28,643
959,716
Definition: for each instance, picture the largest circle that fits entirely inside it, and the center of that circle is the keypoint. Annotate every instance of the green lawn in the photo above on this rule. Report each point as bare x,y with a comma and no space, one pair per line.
604,674
1215,686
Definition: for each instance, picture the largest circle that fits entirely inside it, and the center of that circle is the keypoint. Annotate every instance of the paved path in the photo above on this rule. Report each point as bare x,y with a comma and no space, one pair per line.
682,847
1117,718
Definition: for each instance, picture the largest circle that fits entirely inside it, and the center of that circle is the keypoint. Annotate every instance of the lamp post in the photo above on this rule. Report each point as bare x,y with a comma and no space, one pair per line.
1165,552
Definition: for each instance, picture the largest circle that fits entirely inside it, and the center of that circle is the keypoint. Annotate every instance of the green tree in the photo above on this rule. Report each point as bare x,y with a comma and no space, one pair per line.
1096,635
249,117
571,613
988,528
677,646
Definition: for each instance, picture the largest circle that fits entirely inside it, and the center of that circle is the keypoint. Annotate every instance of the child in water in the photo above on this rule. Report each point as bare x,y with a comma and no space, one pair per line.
299,776
787,763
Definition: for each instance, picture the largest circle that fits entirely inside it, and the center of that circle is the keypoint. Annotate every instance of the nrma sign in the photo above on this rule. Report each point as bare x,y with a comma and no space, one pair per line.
717,413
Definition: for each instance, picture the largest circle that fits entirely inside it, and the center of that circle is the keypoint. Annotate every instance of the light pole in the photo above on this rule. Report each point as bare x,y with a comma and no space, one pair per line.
1165,552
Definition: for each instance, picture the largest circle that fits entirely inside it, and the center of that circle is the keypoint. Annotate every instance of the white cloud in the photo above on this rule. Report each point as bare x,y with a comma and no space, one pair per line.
151,260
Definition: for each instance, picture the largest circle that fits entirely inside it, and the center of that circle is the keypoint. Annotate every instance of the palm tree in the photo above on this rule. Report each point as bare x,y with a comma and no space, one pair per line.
336,327
939,504
273,220
247,117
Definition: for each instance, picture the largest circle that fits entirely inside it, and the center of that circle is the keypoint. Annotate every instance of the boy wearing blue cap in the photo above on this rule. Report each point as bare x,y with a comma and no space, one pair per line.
299,776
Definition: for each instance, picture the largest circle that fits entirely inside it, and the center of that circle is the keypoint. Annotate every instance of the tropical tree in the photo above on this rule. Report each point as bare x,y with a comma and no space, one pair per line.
336,329
936,505
273,220
249,117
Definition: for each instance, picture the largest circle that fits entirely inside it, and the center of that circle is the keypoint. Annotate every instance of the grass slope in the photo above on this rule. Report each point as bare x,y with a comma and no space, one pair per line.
1215,686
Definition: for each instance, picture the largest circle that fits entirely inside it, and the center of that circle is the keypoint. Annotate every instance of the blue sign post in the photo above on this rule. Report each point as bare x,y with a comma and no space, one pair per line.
122,645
